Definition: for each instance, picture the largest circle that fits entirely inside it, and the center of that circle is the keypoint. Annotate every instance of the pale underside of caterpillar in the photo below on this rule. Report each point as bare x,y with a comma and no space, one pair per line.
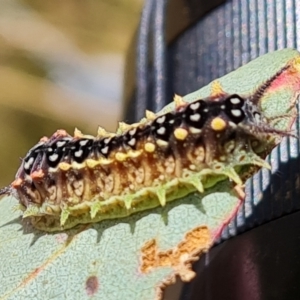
65,180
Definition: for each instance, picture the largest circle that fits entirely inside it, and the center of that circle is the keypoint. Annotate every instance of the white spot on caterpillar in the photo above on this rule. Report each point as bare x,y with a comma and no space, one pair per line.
160,120
53,157
60,144
235,100
104,150
195,117
132,142
223,106
78,153
236,112
132,131
29,163
195,106
194,130
161,130
83,143
257,117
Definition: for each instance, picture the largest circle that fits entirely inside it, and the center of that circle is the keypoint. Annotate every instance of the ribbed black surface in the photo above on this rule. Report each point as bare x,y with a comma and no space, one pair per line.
225,39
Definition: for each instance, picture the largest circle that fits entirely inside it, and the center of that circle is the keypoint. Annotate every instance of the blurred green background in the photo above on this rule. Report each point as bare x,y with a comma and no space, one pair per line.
61,66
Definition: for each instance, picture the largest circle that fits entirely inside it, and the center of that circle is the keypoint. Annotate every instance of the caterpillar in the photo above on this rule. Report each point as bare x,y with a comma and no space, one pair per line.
66,180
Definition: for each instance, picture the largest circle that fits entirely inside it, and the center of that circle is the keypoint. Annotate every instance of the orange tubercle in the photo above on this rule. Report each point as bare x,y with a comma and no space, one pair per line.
16,183
37,174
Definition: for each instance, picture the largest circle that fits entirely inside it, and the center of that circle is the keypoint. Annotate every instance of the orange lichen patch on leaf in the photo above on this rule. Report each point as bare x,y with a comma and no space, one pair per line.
216,89
195,242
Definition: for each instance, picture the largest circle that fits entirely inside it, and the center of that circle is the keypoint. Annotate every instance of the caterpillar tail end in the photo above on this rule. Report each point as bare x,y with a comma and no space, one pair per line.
6,190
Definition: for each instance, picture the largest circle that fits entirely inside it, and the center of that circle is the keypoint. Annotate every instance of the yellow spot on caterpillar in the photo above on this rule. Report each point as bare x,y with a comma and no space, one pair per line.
149,147
120,156
218,124
216,89
179,101
134,154
76,165
64,166
162,143
150,116
194,130
105,161
91,163
180,133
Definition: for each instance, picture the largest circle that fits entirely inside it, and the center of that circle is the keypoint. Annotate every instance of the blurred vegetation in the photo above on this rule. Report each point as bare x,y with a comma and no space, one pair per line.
61,66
